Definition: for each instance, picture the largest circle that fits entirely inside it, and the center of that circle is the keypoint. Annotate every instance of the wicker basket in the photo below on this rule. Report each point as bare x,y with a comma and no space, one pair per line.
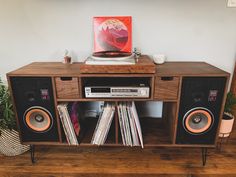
10,143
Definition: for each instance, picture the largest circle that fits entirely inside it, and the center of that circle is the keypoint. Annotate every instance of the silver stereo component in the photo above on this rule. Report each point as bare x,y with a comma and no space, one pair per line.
116,92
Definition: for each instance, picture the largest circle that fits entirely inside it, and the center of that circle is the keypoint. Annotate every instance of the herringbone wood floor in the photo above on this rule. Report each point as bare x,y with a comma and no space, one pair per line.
117,162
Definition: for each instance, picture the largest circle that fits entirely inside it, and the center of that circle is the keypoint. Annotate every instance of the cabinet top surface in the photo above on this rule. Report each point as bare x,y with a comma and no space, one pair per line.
166,69
189,69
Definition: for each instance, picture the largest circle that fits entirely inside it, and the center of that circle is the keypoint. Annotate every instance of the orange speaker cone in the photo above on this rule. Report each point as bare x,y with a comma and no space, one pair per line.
198,121
38,120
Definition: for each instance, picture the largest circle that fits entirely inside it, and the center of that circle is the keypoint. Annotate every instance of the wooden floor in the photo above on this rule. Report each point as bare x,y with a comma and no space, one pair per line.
118,162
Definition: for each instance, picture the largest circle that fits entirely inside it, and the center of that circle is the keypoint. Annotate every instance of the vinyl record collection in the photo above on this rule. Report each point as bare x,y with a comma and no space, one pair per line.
130,128
131,132
69,120
103,124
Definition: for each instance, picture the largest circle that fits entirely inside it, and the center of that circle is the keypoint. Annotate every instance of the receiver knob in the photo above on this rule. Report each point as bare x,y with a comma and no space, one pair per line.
143,92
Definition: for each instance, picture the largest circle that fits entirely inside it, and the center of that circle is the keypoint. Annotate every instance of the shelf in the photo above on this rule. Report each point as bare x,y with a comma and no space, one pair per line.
165,100
105,99
154,131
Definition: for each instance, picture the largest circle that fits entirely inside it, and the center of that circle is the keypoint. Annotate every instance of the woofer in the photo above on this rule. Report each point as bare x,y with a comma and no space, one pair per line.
38,119
198,120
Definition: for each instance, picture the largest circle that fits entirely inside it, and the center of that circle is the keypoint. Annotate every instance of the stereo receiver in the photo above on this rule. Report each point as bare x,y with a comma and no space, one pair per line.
117,91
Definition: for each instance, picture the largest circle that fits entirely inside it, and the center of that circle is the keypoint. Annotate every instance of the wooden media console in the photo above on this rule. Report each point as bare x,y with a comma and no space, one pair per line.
188,90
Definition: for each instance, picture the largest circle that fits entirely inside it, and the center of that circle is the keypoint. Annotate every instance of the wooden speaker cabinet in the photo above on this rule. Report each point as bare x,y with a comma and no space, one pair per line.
179,85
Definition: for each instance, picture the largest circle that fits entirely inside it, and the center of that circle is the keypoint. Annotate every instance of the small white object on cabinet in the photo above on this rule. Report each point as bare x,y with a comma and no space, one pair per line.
231,3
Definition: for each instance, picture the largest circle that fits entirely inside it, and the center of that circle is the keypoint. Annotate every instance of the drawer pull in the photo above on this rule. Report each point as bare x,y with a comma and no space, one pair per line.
66,78
167,78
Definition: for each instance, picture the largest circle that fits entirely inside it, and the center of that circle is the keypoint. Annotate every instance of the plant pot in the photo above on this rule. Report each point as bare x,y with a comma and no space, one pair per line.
234,111
226,125
10,143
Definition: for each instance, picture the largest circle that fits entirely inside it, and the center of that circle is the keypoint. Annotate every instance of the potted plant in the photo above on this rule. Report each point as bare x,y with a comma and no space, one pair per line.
228,117
9,138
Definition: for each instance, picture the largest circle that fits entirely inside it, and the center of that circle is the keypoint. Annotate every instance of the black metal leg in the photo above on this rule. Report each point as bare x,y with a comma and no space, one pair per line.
223,139
32,150
204,156
219,145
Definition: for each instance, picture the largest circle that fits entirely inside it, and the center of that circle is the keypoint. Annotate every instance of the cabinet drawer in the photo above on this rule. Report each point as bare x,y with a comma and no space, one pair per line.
67,87
166,88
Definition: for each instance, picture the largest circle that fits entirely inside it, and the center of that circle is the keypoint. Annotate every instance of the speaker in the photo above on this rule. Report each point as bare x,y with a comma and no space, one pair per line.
35,108
199,110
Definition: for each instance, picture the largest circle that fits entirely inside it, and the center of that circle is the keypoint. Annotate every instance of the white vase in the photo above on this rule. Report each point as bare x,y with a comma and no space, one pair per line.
226,127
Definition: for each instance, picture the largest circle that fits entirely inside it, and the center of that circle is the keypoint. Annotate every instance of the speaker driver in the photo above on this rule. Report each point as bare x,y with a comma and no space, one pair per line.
198,120
38,119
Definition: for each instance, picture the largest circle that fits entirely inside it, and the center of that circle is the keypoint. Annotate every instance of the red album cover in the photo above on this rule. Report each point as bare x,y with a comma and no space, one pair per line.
113,34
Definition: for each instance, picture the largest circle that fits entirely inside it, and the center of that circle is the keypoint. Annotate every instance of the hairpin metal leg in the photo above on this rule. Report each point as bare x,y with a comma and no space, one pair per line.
204,156
32,150
223,139
219,144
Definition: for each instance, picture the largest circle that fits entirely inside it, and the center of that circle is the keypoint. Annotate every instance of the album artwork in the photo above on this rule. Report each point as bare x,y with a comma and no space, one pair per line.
113,34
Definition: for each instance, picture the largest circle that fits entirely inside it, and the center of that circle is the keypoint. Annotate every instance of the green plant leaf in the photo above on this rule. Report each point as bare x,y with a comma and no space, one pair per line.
7,117
230,102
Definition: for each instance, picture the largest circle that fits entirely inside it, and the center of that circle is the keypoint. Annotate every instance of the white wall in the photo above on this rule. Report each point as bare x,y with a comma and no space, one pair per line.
186,30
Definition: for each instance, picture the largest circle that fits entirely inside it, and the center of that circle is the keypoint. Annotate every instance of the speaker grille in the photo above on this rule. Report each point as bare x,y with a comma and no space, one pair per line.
198,120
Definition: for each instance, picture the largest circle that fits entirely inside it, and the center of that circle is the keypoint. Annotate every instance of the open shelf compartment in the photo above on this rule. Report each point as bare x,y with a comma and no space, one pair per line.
158,131
88,122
